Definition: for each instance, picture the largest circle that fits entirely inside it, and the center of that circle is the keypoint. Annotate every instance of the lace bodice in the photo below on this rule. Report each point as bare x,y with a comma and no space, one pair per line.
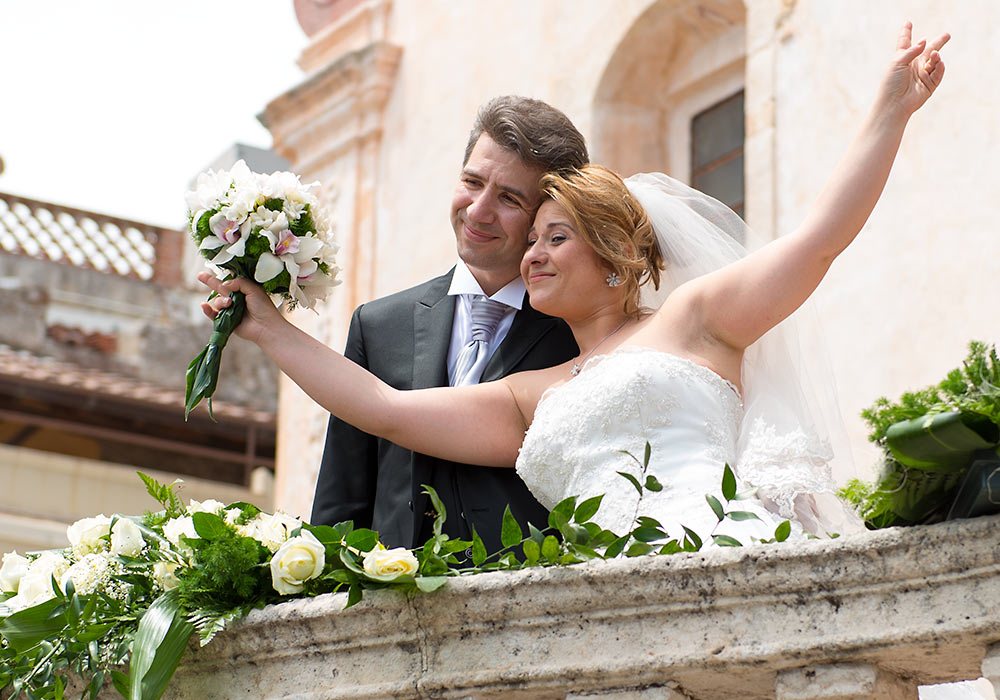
690,416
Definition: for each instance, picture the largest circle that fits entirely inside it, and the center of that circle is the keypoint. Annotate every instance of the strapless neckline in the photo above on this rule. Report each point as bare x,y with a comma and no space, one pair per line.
709,373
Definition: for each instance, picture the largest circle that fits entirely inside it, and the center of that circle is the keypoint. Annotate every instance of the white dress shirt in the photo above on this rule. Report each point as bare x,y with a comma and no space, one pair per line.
465,286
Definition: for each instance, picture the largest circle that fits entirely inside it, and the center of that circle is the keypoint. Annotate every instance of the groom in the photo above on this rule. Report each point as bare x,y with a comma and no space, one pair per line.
443,332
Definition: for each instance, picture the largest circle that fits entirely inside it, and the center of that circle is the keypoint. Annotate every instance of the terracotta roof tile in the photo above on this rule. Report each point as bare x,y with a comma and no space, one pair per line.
24,366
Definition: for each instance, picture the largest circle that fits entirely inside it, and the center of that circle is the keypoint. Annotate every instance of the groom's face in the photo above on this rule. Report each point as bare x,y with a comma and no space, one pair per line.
492,208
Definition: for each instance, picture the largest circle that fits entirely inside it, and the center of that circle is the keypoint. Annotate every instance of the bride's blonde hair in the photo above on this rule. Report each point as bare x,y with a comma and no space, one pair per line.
612,223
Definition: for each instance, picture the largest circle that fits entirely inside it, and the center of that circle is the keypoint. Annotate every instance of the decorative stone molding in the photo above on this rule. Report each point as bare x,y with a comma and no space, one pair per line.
866,616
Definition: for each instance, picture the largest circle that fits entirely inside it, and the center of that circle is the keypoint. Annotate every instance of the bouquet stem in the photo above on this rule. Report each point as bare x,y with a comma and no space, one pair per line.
203,372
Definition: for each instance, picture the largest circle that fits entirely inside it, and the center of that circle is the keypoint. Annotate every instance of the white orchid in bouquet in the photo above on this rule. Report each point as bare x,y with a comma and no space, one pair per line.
269,228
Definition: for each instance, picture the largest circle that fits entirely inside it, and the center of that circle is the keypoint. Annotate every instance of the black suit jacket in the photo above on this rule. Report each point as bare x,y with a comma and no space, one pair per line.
403,339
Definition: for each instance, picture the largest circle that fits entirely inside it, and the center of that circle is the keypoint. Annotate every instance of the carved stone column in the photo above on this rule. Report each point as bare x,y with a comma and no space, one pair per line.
846,681
329,127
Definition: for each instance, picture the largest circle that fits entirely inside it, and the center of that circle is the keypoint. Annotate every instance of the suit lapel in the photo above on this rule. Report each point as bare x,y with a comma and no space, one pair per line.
528,328
432,320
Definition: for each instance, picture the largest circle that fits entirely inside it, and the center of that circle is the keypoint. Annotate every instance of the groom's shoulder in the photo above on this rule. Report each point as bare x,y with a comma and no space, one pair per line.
403,301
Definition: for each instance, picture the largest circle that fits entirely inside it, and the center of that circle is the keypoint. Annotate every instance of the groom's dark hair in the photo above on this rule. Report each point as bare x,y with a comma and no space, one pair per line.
538,132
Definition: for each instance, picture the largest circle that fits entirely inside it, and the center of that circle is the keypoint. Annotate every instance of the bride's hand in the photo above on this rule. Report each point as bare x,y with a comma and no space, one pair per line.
914,73
260,314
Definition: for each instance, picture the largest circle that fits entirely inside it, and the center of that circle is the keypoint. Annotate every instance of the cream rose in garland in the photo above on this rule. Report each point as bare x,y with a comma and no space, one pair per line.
269,228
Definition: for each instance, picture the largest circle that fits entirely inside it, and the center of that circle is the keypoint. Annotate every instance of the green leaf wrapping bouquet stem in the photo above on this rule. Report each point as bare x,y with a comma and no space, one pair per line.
269,228
124,599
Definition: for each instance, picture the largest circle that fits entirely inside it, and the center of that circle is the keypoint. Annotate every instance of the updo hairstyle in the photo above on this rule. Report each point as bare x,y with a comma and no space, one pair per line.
612,223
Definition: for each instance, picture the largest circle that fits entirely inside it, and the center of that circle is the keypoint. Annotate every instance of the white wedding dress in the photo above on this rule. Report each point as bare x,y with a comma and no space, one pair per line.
691,418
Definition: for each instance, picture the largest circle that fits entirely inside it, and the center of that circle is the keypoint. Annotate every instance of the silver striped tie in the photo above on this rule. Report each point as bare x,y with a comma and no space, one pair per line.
474,355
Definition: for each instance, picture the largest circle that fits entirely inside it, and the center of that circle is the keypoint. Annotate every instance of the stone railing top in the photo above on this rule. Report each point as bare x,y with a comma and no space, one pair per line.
81,238
920,603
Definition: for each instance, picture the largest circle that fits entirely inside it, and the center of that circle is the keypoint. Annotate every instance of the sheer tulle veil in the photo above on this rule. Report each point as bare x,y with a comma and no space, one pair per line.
793,446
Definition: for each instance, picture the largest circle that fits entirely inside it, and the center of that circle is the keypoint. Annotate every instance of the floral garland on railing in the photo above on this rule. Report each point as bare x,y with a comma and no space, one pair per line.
129,592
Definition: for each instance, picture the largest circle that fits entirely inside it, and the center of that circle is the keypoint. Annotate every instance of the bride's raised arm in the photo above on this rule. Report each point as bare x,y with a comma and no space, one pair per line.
479,424
746,299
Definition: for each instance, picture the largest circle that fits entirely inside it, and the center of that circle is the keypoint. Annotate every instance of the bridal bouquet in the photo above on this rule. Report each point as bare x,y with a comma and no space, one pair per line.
269,228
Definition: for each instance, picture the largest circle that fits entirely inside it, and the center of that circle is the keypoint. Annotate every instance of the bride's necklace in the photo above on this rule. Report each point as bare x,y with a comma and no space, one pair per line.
578,364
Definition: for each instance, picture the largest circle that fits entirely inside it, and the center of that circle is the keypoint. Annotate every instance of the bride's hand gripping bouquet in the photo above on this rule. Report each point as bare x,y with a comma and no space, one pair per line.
269,228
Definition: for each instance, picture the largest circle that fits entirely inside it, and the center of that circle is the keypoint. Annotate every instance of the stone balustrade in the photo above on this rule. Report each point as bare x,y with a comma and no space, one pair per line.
865,616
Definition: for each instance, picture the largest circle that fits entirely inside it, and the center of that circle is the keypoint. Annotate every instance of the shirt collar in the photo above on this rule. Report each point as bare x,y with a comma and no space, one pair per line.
462,282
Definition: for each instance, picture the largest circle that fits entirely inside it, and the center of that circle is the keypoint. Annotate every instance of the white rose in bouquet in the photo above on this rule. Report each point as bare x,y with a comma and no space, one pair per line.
297,560
86,535
389,564
271,530
14,568
126,538
35,586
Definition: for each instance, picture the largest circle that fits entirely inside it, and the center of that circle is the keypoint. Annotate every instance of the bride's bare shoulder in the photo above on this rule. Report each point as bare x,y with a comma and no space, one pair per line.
528,387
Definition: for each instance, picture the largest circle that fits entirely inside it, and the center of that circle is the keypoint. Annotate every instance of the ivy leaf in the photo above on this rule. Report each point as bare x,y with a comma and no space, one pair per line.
783,530
691,539
586,510
550,549
726,541
354,594
670,547
653,484
532,552
535,534
720,513
646,455
648,534
638,549
635,482
441,513
428,584
741,515
478,548
616,547
728,483
565,508
510,531
745,494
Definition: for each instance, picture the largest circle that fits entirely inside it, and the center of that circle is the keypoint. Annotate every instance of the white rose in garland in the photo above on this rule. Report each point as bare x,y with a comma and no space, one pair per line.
87,535
389,564
297,560
36,585
14,568
126,538
271,530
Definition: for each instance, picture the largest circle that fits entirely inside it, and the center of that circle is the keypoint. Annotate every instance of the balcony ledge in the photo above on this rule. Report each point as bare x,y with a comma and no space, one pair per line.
880,612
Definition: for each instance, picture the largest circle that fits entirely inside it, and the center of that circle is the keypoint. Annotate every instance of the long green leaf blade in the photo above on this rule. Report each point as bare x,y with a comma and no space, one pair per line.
159,643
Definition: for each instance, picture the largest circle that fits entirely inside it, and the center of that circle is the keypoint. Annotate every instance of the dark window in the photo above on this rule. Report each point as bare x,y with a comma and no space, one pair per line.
717,151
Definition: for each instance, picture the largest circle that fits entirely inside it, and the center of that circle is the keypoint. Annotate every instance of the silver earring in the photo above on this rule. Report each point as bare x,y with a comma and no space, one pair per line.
613,280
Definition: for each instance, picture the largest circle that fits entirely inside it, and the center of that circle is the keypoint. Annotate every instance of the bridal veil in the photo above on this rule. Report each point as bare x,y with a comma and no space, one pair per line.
792,439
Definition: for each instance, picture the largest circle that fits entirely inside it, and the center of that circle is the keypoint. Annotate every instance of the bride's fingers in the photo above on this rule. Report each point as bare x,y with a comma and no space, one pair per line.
912,52
905,36
939,42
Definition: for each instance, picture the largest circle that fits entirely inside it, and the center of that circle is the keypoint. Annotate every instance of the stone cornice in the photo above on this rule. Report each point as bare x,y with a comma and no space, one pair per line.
720,624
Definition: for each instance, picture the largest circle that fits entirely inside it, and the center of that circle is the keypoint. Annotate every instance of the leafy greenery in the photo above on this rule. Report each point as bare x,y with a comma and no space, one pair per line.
222,565
928,438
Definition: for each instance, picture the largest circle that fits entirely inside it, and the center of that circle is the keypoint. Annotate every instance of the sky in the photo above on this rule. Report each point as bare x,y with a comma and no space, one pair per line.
116,105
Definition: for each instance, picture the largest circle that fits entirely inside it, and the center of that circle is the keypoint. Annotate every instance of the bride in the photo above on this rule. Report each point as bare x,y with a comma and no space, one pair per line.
689,376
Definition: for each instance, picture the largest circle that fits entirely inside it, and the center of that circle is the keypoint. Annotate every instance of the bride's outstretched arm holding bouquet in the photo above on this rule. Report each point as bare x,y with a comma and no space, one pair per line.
446,422
743,301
